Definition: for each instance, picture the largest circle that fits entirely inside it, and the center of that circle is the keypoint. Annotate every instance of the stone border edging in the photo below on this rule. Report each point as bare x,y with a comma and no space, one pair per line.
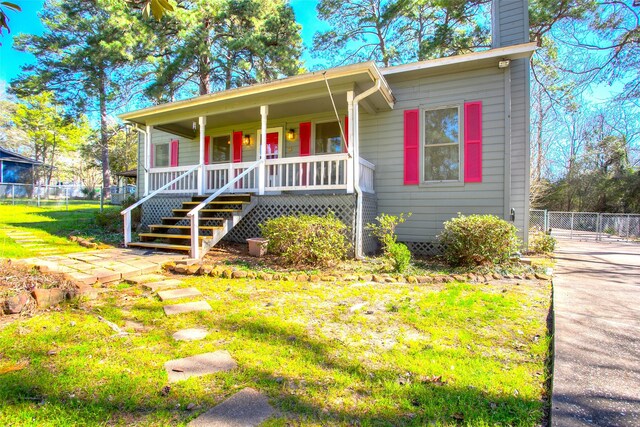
234,273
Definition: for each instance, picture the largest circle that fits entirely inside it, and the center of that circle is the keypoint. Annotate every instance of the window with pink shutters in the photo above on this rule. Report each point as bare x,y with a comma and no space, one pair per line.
411,147
473,141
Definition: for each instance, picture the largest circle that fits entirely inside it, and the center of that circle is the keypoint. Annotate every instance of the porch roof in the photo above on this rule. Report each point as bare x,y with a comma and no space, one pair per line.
297,95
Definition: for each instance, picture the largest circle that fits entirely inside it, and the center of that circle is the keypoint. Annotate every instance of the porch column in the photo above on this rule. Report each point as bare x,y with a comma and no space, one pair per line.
264,112
201,185
147,158
350,142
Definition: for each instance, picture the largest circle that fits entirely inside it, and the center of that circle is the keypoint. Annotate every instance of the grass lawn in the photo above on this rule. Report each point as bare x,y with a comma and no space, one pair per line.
325,354
53,224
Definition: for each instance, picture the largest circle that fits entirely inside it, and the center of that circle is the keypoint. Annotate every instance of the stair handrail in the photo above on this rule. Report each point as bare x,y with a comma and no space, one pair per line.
127,212
193,214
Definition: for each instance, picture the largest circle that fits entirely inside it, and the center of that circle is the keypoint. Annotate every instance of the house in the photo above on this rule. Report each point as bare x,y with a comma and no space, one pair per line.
433,138
16,168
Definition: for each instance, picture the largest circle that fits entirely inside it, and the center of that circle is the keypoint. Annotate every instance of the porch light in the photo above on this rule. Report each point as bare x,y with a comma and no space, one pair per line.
247,140
291,135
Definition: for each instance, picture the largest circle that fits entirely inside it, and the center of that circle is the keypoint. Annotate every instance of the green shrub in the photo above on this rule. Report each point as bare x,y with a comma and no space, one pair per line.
400,256
89,193
385,230
109,221
478,240
307,239
541,243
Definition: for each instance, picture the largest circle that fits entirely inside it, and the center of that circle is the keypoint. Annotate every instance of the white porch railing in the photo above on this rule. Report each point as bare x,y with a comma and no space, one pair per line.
323,172
366,181
320,172
191,170
187,183
217,176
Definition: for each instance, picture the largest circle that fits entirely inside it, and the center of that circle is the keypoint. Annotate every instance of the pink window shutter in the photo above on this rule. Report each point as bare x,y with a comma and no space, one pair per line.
174,152
207,149
305,139
346,134
411,147
237,147
473,141
305,148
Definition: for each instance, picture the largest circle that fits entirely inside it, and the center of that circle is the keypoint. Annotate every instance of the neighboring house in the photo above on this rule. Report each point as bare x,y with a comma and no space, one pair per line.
433,138
15,168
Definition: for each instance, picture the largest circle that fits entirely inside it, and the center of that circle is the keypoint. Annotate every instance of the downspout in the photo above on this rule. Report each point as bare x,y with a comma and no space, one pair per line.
144,166
356,164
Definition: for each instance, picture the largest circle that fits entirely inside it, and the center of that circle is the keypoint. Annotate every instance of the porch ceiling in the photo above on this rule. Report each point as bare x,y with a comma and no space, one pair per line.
298,95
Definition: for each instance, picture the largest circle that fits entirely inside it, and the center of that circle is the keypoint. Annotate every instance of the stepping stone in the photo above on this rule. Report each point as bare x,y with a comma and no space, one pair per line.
187,307
199,365
162,285
191,334
179,293
247,408
137,280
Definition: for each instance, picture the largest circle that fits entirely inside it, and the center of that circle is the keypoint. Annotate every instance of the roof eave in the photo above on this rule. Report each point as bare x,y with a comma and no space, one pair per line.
344,71
524,50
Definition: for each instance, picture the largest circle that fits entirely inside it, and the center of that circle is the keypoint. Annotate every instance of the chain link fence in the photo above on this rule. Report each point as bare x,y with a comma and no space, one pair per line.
587,225
46,195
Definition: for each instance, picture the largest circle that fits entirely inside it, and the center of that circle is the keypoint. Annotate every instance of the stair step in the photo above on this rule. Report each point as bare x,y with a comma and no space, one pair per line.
185,227
178,218
154,245
206,210
218,202
169,236
222,196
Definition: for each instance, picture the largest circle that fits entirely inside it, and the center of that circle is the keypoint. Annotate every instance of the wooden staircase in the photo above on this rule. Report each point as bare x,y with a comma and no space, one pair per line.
217,218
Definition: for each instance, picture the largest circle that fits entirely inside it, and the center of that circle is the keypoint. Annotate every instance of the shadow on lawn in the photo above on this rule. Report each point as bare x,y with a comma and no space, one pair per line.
380,397
76,222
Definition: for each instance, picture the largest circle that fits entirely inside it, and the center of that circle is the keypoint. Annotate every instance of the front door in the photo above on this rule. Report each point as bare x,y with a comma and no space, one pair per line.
273,141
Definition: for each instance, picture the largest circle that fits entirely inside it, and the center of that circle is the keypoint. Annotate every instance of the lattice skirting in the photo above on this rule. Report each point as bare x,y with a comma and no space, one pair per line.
425,248
370,244
155,208
267,207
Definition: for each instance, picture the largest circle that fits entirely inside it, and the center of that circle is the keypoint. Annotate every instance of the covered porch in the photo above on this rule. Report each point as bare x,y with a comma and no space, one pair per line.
303,128
297,135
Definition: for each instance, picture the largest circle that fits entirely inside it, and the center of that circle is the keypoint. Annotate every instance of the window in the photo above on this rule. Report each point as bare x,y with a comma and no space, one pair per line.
328,138
220,149
161,155
442,144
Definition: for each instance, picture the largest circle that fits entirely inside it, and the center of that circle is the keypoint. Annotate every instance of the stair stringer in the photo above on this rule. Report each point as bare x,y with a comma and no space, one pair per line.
219,234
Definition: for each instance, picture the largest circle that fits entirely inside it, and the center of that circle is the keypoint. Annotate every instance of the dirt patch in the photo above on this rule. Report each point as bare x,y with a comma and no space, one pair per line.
17,283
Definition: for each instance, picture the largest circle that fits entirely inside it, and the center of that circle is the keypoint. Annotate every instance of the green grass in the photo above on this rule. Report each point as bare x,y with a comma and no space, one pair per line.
445,355
53,224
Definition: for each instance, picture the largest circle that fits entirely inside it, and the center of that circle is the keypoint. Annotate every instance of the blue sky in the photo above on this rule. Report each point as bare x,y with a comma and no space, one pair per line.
27,21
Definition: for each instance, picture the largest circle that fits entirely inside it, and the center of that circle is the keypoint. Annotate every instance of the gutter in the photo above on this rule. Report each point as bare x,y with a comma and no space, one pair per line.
144,164
356,164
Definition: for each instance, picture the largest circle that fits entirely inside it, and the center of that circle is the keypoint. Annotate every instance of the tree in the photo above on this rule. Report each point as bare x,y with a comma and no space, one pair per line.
4,19
207,46
390,32
361,30
88,55
48,130
11,137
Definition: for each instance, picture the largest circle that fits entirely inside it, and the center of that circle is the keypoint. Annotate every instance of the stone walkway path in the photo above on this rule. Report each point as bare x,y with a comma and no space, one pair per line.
29,241
246,408
102,266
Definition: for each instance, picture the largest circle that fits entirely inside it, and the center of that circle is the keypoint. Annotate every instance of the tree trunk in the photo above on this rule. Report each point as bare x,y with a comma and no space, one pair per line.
104,140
